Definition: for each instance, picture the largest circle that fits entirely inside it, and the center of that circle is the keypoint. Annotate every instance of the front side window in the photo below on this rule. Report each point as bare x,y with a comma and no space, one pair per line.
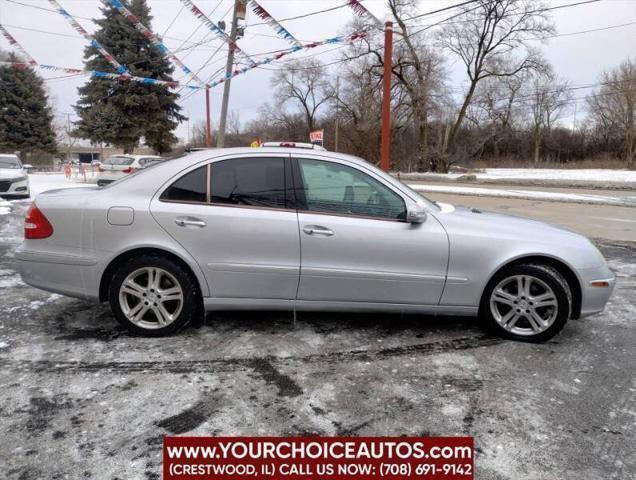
339,189
258,182
192,187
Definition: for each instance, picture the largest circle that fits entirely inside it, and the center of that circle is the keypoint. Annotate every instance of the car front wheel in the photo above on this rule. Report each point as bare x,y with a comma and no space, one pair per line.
529,302
153,296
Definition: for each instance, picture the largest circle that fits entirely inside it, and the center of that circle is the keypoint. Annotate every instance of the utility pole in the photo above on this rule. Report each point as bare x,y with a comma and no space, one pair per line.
220,141
385,147
208,126
335,148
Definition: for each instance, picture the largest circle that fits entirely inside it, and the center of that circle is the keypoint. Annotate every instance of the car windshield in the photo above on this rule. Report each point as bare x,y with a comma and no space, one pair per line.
118,161
9,161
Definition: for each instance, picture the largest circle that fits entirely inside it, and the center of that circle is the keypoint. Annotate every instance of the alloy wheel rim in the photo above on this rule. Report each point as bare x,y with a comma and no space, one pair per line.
524,305
151,298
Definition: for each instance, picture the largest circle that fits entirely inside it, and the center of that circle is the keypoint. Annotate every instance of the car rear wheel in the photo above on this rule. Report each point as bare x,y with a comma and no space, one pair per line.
529,302
153,296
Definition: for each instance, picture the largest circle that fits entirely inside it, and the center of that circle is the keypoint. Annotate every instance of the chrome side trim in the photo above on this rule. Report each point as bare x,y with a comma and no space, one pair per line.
254,268
46,257
371,274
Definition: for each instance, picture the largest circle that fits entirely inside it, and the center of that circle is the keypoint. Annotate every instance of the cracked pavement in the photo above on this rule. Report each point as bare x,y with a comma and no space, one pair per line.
81,398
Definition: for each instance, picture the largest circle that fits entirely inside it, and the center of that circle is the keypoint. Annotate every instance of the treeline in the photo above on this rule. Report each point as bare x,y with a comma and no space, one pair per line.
512,110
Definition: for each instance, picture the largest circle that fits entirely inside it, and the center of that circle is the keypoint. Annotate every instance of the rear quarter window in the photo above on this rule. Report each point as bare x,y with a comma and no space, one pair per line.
191,187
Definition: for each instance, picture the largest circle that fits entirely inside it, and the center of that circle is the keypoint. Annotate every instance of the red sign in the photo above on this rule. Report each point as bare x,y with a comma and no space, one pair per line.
315,137
331,458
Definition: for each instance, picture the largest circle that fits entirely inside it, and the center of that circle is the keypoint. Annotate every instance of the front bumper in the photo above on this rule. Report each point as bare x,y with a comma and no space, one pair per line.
12,188
597,285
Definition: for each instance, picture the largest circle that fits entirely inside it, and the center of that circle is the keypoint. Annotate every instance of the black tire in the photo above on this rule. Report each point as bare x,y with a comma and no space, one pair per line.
545,273
190,306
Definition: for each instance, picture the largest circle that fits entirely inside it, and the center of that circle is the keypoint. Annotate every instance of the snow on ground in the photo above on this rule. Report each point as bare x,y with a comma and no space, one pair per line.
585,174
528,195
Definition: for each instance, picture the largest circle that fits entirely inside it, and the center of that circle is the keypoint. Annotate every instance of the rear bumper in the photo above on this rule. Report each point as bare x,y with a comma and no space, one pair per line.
65,274
594,298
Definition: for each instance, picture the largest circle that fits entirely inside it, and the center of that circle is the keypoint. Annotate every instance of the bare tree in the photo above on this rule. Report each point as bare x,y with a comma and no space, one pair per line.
613,107
234,123
547,97
304,83
494,31
418,72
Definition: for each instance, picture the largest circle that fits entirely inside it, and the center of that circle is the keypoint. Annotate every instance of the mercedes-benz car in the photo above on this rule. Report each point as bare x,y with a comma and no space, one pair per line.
288,228
14,177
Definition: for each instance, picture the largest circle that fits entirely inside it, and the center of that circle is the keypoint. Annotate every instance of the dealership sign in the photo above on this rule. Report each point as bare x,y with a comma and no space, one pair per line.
315,137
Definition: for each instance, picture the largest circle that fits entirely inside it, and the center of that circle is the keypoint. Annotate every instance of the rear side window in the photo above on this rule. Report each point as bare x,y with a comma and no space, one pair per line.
192,187
258,182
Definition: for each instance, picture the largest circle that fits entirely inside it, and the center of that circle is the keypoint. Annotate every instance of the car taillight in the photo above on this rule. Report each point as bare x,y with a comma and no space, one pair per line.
36,225
128,170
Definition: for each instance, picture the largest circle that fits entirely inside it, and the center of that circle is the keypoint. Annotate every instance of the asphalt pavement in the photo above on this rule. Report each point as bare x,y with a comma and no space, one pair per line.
81,398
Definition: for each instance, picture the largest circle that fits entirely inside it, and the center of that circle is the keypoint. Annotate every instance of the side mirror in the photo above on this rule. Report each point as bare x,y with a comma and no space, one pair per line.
27,166
415,214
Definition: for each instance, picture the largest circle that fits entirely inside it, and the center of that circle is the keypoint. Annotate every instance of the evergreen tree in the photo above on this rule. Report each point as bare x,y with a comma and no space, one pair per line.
120,112
25,117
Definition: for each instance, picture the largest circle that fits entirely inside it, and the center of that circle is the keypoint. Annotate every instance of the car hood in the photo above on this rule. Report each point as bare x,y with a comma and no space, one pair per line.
490,223
8,173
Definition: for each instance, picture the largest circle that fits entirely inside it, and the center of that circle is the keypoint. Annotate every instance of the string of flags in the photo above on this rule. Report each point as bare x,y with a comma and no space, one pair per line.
273,23
340,39
216,30
14,43
89,38
98,74
124,75
361,11
156,41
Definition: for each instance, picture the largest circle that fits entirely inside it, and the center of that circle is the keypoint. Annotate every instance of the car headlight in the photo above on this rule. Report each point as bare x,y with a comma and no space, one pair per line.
18,179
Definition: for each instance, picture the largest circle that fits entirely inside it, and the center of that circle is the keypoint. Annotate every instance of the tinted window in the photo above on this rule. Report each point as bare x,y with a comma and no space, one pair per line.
258,182
334,188
189,188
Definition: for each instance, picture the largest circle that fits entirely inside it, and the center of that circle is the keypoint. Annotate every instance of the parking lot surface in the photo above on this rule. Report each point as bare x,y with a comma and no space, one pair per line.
80,398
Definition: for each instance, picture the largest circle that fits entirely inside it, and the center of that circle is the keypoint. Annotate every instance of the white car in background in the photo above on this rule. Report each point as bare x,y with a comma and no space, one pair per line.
118,166
14,179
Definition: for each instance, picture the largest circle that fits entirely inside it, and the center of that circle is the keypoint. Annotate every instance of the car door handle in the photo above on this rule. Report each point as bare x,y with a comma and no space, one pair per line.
190,222
317,230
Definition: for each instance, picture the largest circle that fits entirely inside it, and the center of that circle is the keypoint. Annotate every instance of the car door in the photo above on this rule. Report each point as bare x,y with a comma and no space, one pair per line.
356,245
233,216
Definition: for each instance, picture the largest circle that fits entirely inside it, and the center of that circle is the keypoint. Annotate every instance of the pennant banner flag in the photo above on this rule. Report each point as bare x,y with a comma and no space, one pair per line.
14,43
271,21
98,74
362,11
89,38
341,39
216,30
156,41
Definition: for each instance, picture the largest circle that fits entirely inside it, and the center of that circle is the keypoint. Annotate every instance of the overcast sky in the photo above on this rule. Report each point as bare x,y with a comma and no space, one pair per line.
579,58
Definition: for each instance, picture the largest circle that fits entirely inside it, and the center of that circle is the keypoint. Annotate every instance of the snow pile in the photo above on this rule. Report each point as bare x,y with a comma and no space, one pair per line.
528,195
593,175
5,207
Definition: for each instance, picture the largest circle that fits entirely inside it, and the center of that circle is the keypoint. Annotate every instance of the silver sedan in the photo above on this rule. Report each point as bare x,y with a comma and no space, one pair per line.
297,229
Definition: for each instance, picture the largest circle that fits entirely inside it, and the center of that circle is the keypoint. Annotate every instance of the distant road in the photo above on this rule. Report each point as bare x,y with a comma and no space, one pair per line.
596,221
